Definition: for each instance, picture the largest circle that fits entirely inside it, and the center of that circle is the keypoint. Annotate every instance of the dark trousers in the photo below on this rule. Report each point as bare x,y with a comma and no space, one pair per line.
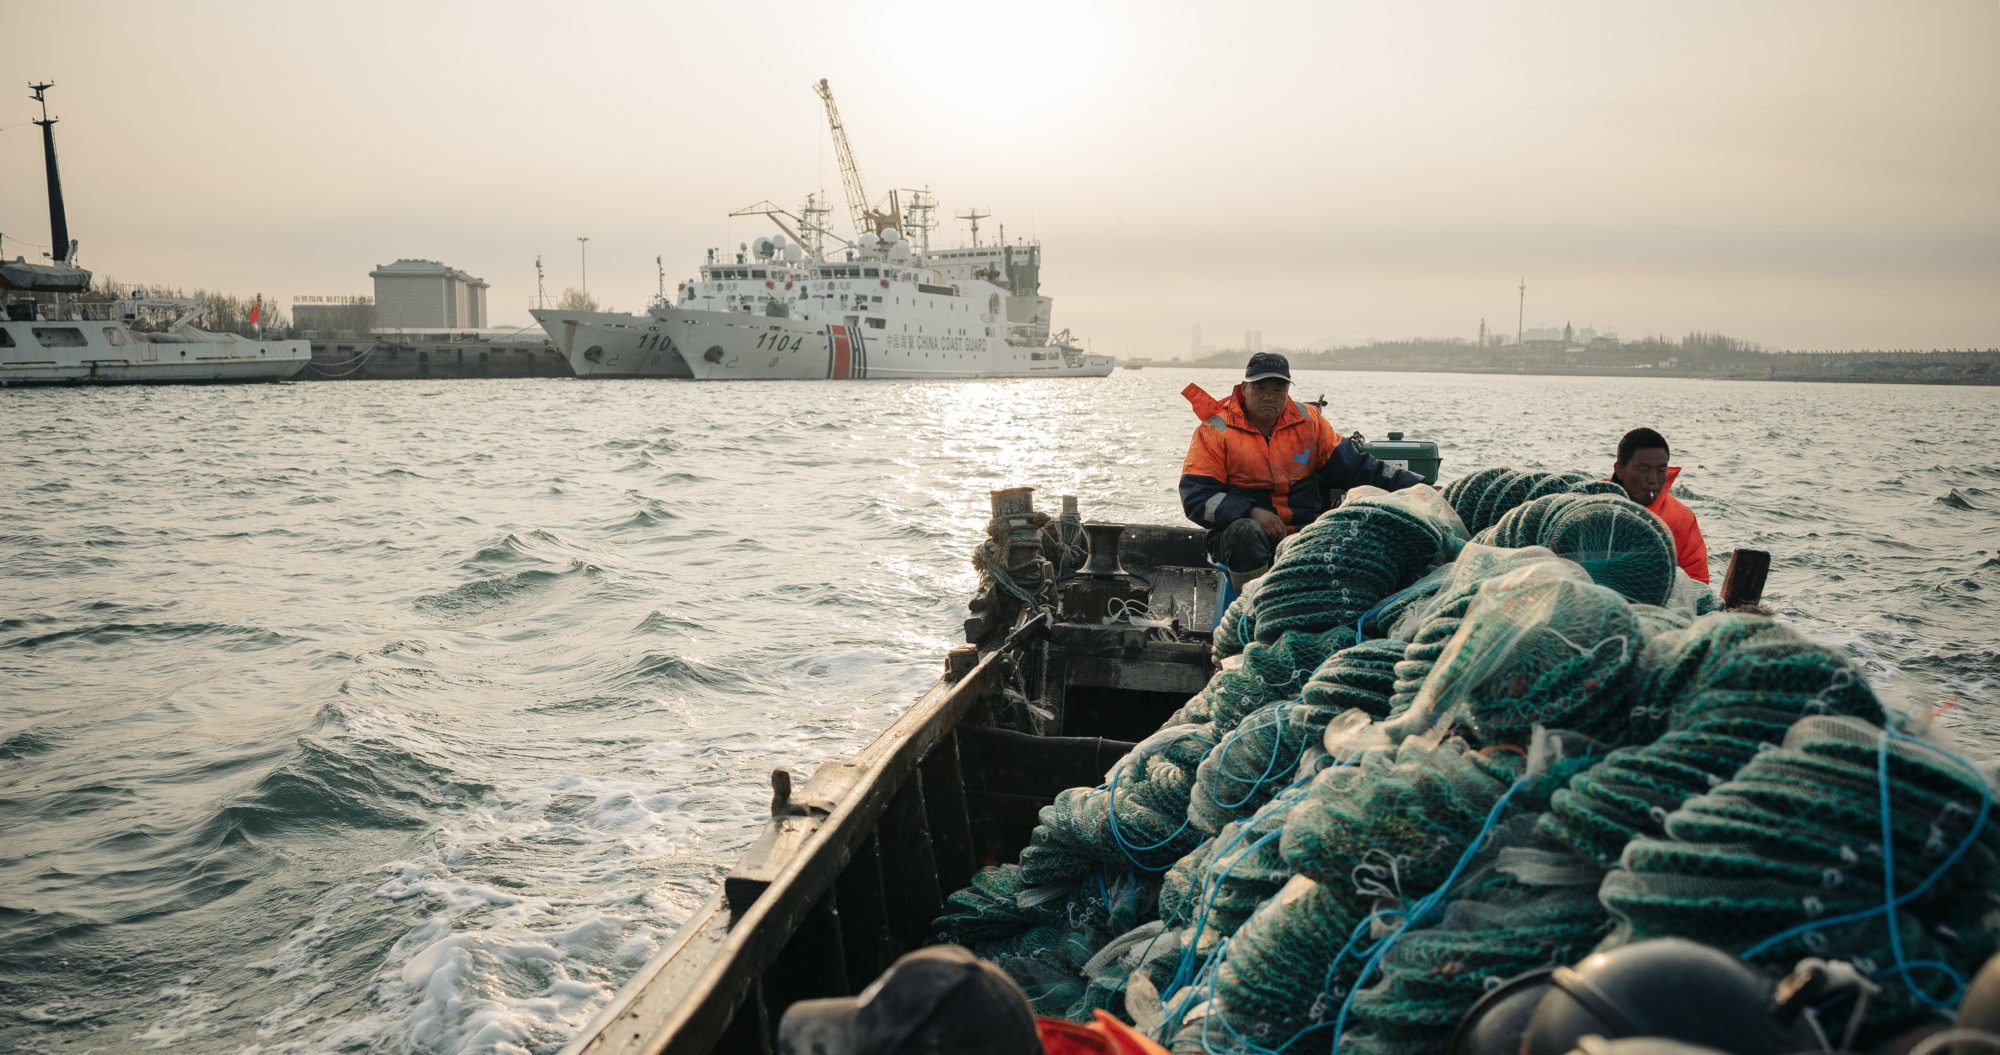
1241,547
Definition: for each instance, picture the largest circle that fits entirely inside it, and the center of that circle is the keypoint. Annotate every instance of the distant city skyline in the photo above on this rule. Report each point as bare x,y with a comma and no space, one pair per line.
1796,174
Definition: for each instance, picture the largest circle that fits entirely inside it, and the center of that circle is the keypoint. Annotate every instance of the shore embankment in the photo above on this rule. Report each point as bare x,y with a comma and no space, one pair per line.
403,358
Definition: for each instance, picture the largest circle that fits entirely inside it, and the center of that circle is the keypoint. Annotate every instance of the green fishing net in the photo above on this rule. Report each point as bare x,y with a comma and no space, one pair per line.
1427,764
1788,859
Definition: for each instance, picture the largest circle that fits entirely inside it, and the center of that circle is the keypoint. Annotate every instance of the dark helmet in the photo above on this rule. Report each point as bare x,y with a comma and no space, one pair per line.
1495,1024
1667,988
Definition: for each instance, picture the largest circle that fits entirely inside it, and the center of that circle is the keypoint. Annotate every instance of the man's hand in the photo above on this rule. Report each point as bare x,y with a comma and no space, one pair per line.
1269,522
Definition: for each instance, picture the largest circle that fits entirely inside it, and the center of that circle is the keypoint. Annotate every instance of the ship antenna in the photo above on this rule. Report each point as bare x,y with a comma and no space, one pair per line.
541,295
65,251
975,216
660,263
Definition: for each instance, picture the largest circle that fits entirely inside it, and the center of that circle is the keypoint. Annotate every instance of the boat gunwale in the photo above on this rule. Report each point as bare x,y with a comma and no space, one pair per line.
682,1001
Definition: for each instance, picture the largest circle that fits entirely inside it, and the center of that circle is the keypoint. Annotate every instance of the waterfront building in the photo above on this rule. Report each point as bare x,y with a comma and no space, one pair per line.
426,295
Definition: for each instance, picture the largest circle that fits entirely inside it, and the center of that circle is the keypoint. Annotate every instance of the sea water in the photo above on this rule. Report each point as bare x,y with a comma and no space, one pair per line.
414,716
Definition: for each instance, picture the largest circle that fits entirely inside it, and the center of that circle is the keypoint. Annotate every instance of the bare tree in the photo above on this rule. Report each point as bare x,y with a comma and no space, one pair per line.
574,299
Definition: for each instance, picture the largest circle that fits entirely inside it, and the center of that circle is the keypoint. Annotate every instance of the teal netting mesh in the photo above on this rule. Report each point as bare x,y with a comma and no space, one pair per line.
1426,765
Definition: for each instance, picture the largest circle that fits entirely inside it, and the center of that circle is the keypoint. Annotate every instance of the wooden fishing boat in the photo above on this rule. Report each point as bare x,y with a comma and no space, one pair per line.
855,862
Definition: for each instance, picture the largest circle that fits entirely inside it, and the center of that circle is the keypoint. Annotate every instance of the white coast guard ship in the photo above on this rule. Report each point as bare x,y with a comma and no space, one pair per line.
886,311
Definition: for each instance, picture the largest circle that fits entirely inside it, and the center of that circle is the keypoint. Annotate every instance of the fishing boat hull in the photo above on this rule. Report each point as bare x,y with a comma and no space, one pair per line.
48,352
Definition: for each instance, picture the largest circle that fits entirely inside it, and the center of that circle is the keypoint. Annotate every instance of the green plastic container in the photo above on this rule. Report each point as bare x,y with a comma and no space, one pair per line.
1418,456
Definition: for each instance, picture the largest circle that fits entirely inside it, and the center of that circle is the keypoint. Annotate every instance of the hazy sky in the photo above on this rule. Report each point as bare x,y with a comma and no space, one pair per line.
1801,174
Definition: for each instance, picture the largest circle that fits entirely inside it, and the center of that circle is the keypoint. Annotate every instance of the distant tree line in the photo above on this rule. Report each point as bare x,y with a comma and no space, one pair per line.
220,312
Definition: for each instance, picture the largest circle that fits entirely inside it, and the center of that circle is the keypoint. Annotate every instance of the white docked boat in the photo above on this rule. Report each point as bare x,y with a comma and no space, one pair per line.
52,332
787,310
53,339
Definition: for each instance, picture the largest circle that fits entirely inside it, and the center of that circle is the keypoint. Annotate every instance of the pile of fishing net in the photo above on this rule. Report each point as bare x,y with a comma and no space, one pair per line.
1483,496
1344,563
1163,800
1427,765
1715,694
1046,936
1616,540
1270,748
1373,837
1851,841
1525,664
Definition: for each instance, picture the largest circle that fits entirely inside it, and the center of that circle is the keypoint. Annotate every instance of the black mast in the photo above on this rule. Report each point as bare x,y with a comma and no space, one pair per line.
58,221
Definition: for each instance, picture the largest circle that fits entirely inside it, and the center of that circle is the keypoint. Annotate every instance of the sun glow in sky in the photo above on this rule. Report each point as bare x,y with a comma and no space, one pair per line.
1803,174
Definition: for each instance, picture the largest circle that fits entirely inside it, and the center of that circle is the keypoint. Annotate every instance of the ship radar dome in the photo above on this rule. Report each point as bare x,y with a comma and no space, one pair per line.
793,254
890,234
778,240
901,251
868,241
764,248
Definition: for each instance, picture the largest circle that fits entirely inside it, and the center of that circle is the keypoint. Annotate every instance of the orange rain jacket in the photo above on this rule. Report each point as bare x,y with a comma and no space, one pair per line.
1231,468
1106,1036
1690,550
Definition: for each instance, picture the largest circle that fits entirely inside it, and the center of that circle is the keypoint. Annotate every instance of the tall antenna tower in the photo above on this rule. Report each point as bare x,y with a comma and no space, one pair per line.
811,219
64,251
917,214
1521,312
975,216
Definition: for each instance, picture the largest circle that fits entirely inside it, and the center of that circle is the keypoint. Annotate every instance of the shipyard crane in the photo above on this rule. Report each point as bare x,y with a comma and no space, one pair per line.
866,220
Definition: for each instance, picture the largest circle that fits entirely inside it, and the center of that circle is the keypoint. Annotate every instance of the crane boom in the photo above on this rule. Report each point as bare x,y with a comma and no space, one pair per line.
866,219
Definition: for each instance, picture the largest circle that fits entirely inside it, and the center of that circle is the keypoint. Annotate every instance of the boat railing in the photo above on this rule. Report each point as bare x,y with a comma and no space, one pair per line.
720,981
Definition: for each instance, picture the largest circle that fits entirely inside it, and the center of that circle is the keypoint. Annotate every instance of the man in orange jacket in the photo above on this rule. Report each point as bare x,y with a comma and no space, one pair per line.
1262,465
1643,471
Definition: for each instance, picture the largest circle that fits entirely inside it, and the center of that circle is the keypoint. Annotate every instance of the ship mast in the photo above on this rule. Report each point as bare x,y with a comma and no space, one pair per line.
918,216
973,215
64,250
866,220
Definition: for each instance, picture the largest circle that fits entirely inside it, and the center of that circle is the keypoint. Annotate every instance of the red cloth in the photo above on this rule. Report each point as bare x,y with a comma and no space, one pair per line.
1106,1036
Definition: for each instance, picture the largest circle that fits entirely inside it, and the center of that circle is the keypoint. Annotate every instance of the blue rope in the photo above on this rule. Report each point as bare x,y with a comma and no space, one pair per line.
1424,907
1891,901
1277,750
1127,847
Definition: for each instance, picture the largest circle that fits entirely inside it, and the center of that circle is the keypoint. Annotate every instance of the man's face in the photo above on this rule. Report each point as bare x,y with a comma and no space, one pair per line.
1644,475
1264,400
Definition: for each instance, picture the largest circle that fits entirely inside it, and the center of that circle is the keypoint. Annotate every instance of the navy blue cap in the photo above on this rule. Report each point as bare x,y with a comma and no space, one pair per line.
939,1000
1267,365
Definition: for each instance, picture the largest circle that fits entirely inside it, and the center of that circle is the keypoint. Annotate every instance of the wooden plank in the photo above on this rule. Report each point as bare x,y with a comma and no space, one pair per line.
864,915
1012,763
1185,678
951,824
910,878
1743,581
811,966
